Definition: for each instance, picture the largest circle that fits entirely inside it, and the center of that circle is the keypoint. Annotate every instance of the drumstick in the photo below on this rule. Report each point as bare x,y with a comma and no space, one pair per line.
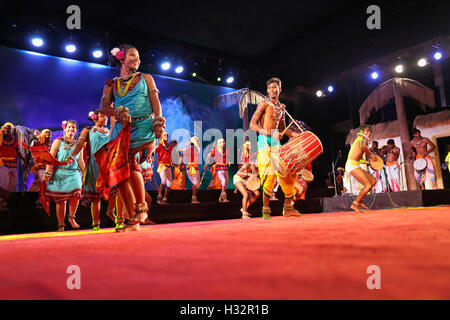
293,120
287,128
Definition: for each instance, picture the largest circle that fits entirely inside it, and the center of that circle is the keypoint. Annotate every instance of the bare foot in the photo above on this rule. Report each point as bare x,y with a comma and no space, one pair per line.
73,223
291,212
129,227
362,205
355,206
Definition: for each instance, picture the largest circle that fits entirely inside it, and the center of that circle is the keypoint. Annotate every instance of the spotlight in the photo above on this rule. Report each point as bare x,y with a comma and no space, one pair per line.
230,79
374,75
194,74
437,55
71,48
179,69
319,93
422,62
219,79
97,53
165,66
399,68
330,88
37,42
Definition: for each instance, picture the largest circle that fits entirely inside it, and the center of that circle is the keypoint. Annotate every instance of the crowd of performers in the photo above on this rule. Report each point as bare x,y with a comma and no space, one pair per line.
388,177
115,164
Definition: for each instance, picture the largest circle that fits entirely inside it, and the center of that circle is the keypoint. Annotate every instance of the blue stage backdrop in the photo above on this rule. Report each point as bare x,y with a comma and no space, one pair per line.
40,91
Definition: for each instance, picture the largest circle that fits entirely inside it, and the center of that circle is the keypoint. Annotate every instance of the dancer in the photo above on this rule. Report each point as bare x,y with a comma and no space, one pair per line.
164,151
301,185
352,166
95,137
420,144
64,182
219,153
268,120
43,139
240,181
192,156
135,99
179,177
9,153
392,165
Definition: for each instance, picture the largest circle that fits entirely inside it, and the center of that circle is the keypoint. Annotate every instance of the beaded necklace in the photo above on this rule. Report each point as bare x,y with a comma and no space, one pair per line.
278,110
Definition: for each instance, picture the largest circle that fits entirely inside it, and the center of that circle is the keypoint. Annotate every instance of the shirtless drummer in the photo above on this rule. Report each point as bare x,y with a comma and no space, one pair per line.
422,152
268,120
352,166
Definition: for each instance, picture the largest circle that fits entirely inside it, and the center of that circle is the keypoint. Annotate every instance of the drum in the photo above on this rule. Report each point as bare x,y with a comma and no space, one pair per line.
296,154
420,164
376,164
253,183
307,176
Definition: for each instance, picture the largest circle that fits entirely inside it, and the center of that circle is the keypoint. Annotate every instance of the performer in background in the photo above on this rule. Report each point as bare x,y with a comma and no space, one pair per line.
421,144
392,166
179,174
301,185
240,180
94,138
135,98
352,166
9,154
43,138
65,182
380,185
219,153
192,156
164,151
268,121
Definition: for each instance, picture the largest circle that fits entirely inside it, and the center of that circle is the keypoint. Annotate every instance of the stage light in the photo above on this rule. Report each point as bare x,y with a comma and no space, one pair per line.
399,68
374,75
422,62
330,88
97,53
194,74
219,79
230,79
179,69
71,48
37,42
437,55
165,66
319,93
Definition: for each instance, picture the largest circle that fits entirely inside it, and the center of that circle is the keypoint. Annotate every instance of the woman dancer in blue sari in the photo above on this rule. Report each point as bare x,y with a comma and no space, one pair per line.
136,103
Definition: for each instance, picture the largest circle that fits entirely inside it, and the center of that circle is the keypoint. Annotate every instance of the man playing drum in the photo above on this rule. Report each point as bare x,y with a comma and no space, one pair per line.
392,165
422,152
267,120
359,147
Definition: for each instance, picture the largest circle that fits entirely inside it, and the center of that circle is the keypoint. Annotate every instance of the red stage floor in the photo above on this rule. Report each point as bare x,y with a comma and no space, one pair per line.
317,256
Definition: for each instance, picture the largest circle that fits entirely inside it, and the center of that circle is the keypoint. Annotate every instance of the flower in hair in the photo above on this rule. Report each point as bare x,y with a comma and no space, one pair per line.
92,115
64,124
114,51
120,55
